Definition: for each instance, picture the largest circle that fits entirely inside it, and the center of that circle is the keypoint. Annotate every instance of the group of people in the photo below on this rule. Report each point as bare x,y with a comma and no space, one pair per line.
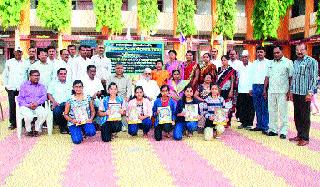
178,97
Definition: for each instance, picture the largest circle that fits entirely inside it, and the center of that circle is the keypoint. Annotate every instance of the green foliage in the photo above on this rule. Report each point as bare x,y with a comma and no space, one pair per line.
186,11
148,14
266,19
55,14
10,12
108,13
283,6
226,23
318,19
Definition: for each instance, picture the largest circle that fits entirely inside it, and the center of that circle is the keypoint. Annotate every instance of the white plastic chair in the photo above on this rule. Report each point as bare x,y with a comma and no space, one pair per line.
49,119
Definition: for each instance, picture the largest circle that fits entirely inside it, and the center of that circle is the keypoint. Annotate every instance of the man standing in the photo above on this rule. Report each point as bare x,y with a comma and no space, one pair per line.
91,84
32,57
72,51
191,70
278,79
59,93
258,73
80,64
304,85
215,60
244,103
234,62
44,67
14,74
52,54
103,65
64,63
150,87
31,97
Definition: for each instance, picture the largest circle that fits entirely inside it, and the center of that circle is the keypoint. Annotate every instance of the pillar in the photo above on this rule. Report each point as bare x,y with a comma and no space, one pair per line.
309,10
249,34
283,33
23,31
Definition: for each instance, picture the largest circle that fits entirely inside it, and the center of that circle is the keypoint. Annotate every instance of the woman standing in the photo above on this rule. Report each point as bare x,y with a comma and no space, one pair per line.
79,112
174,64
207,68
226,81
164,100
142,108
109,127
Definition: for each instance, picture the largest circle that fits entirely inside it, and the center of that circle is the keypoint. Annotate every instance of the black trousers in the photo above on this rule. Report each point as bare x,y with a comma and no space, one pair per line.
302,116
108,128
161,127
12,106
245,109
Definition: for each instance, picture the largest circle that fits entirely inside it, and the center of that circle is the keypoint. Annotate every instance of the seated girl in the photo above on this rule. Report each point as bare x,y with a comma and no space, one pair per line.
215,114
79,112
110,110
187,113
139,112
164,119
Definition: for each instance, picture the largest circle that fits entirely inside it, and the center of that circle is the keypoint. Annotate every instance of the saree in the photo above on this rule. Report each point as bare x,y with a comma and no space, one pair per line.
208,69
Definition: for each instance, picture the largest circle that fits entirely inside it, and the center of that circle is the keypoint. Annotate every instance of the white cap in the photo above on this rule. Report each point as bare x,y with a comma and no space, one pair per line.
17,48
147,70
245,53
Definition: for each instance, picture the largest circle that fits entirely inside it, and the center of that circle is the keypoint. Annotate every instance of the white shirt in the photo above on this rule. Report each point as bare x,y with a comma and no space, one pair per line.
150,88
46,72
52,61
235,64
79,67
103,65
217,63
245,84
259,71
91,87
62,64
60,91
14,74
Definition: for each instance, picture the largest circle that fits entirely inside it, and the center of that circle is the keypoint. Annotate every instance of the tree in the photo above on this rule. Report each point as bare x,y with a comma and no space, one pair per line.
148,13
10,12
226,23
55,14
108,13
266,17
186,11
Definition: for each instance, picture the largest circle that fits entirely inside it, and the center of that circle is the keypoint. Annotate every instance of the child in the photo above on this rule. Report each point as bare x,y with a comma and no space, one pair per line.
182,121
142,108
164,100
109,127
214,127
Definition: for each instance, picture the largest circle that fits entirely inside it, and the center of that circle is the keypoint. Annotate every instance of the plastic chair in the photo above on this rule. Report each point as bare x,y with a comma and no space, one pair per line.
49,119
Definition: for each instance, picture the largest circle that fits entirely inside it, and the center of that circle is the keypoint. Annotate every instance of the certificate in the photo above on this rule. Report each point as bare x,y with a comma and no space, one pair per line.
80,114
115,114
133,115
165,115
220,116
191,111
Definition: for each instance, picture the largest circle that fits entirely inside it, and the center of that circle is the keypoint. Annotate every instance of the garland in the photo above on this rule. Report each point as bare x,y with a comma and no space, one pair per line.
226,23
108,13
55,14
186,11
148,13
10,12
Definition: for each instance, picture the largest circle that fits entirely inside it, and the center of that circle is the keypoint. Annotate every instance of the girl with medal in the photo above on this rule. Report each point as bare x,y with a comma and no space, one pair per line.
79,112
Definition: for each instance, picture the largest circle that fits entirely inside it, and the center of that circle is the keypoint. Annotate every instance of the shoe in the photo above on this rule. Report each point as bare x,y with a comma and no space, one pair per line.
63,132
124,129
302,143
12,127
241,127
272,133
282,136
265,132
35,133
29,134
256,129
248,127
296,139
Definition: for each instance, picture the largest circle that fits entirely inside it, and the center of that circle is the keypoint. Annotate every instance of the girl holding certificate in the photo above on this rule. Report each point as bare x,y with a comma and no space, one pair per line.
164,113
110,110
216,115
187,115
139,113
79,112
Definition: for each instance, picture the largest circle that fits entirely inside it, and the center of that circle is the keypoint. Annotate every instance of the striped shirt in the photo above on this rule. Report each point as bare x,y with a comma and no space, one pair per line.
211,104
305,76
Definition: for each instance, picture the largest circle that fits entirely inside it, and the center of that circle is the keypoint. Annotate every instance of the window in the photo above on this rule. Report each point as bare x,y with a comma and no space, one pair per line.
316,5
124,5
167,6
298,8
203,7
84,5
160,5
241,7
